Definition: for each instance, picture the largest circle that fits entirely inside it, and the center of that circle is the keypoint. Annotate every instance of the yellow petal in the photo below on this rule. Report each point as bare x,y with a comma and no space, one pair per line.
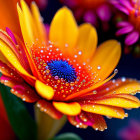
119,102
42,35
127,96
27,24
63,29
130,86
87,40
22,25
43,90
71,109
105,59
105,110
12,59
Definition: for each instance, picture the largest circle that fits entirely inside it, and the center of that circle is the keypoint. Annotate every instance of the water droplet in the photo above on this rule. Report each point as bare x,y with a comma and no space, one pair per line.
99,67
123,79
116,71
79,52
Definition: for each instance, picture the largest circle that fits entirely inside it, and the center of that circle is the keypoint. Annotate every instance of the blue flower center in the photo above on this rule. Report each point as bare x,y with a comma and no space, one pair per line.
62,69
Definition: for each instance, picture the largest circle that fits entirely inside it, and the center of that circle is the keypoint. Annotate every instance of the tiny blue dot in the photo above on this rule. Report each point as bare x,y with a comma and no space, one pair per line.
62,69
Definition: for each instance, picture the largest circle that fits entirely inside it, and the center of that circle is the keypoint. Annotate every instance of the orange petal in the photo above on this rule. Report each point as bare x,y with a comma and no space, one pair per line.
43,90
88,90
14,61
115,87
25,92
71,109
99,122
129,86
105,59
8,16
48,108
87,40
119,102
63,29
127,96
73,121
104,110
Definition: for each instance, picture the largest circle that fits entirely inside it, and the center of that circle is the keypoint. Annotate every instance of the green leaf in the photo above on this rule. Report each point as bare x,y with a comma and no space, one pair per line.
22,123
67,136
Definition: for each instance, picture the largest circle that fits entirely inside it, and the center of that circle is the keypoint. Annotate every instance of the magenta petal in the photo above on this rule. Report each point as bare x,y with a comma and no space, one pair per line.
104,13
122,8
123,24
90,17
127,4
125,30
132,38
11,35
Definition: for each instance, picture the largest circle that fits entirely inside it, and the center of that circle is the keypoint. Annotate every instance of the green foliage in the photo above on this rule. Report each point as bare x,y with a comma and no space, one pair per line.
22,123
67,136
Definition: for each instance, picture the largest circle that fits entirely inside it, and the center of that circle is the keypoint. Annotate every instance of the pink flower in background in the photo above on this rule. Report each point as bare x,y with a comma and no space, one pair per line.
91,11
41,3
131,132
130,25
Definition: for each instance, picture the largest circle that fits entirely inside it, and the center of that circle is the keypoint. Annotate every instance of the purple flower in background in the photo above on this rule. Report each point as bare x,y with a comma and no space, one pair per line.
131,132
91,11
131,25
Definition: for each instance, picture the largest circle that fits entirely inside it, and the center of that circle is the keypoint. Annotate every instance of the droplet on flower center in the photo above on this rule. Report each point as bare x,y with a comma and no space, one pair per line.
62,69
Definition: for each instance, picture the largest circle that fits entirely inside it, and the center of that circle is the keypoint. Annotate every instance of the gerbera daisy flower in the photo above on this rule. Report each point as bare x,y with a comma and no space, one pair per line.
91,11
6,132
130,25
65,73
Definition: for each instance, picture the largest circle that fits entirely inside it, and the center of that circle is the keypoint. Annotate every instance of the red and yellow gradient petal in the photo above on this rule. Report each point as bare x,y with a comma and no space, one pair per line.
99,122
73,121
14,61
64,30
123,85
48,108
118,102
25,92
114,88
110,111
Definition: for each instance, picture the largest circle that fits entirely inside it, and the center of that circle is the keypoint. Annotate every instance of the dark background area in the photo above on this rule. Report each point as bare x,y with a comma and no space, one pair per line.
129,66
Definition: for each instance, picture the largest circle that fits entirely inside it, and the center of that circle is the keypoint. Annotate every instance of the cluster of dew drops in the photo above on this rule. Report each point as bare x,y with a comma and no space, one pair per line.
46,53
